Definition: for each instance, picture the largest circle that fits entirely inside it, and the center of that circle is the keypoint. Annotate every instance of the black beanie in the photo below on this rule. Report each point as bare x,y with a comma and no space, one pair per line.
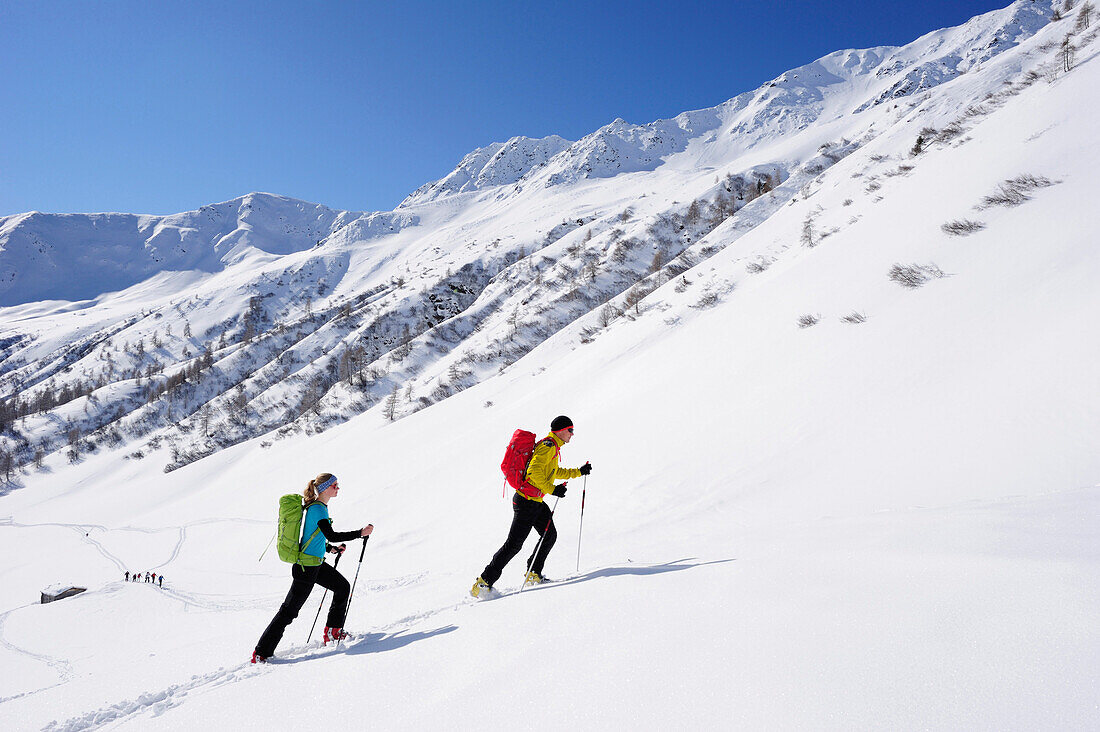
560,423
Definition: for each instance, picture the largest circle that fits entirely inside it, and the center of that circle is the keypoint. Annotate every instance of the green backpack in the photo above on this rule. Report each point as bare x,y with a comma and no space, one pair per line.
291,509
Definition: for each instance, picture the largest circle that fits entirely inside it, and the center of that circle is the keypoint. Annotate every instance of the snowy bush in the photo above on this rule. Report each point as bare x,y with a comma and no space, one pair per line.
1013,192
961,227
854,317
708,300
808,320
914,275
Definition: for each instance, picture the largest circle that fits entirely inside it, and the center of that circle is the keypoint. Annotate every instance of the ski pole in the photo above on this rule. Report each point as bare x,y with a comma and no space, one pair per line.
352,594
584,492
268,546
334,565
541,539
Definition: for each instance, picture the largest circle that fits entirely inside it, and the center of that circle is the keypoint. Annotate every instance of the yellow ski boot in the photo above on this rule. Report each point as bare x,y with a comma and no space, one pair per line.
480,589
534,578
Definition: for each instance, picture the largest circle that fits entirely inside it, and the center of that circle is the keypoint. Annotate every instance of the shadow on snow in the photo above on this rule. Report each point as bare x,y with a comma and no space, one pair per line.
629,570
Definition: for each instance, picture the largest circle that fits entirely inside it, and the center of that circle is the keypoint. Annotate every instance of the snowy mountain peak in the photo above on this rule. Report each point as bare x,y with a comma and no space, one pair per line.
501,163
789,103
80,256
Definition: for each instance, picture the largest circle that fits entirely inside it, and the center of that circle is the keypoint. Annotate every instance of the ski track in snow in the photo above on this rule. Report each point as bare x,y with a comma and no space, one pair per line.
60,666
155,702
380,638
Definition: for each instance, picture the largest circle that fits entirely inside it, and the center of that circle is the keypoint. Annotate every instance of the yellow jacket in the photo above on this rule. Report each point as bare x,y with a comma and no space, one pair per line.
543,469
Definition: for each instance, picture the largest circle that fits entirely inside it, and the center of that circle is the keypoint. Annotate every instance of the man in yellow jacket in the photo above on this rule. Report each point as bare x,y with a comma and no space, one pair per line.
530,512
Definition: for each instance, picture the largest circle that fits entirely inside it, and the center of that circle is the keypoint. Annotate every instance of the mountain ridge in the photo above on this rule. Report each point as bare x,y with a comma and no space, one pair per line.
267,315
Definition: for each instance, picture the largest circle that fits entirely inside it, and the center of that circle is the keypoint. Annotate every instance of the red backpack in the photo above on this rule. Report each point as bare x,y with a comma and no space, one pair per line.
516,458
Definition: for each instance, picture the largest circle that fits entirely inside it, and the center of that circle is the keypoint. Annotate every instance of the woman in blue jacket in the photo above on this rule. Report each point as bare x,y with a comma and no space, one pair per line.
317,525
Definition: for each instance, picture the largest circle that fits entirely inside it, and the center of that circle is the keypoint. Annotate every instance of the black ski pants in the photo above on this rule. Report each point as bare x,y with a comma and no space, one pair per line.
304,579
526,515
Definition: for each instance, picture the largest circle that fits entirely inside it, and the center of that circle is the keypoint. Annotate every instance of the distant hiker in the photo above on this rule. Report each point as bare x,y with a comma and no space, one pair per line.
146,576
530,512
161,580
154,578
316,532
127,575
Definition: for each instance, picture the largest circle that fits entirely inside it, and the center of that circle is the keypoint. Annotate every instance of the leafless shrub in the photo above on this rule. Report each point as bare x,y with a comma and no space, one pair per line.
808,320
961,227
854,317
1013,192
847,202
950,132
708,300
901,170
608,314
758,266
914,275
683,284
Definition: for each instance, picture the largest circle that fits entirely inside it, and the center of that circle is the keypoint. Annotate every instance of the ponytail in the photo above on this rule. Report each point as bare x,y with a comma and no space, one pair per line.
310,493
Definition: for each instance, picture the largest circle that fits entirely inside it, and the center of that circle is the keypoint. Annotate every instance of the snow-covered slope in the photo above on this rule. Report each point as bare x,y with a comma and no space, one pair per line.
834,369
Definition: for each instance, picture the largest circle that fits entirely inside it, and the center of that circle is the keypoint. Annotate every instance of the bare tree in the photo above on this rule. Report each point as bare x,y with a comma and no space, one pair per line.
1083,17
634,297
607,315
657,263
1067,53
807,237
389,409
7,463
206,414
694,213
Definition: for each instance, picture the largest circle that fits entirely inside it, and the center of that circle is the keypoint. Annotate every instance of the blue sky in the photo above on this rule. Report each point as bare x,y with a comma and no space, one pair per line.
160,107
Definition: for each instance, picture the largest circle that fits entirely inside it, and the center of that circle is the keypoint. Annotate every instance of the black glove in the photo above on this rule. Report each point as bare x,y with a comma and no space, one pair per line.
586,468
559,491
